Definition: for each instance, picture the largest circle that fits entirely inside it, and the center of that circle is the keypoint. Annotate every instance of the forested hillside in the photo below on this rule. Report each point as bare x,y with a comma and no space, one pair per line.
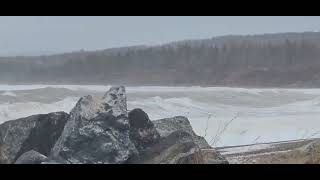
270,60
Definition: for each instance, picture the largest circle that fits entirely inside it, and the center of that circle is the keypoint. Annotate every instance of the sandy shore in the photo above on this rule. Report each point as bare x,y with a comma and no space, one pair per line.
302,151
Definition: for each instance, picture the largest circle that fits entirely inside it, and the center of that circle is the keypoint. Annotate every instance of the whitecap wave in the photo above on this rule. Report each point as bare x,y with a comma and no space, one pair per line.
264,115
9,93
291,121
18,110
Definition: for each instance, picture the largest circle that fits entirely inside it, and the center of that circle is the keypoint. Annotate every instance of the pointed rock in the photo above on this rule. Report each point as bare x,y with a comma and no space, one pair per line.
116,98
97,132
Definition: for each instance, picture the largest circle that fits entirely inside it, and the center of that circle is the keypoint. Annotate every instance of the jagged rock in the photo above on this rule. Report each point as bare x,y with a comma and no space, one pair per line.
117,100
169,125
178,144
179,123
176,148
38,132
142,131
97,132
31,157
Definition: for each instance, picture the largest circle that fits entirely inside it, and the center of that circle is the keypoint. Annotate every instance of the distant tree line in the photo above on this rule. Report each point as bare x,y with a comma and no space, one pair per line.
266,60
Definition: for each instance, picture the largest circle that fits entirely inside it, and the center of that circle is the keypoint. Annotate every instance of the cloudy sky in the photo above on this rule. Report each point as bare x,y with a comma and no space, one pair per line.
30,35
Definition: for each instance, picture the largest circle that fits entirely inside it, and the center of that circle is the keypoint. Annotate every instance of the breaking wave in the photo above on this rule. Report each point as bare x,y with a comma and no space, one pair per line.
263,115
10,111
8,93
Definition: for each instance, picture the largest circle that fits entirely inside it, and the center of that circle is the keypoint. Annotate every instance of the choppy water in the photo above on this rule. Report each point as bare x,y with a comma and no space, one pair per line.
260,115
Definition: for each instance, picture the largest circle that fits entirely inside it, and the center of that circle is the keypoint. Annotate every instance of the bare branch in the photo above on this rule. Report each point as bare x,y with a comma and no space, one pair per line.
207,126
218,135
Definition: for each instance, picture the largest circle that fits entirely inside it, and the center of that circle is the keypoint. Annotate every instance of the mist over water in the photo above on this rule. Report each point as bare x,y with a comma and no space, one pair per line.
259,115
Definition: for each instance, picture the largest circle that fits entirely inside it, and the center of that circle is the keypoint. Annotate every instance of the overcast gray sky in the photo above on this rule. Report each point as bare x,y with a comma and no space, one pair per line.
36,35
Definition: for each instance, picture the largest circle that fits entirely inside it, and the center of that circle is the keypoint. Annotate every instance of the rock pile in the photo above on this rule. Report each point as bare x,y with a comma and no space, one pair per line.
101,131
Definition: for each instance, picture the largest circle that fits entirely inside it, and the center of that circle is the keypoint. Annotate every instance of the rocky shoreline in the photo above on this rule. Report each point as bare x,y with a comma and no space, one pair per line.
102,131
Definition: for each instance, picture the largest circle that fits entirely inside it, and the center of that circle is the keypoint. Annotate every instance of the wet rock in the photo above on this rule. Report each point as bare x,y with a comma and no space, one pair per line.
169,125
179,123
38,133
142,131
97,132
176,148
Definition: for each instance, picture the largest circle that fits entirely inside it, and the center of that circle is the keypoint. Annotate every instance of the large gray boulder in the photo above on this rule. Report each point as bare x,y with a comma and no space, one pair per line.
38,133
169,125
97,132
31,157
176,148
178,143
